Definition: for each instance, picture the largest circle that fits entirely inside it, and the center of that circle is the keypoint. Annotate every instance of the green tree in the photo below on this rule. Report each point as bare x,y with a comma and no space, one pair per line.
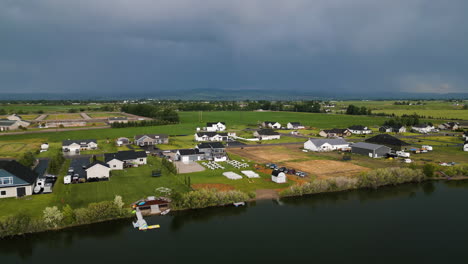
52,216
27,159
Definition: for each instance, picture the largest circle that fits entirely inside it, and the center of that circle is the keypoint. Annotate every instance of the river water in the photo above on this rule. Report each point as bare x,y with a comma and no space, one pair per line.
412,223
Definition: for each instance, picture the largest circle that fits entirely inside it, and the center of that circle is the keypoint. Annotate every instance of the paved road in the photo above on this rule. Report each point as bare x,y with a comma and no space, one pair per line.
85,116
52,130
40,118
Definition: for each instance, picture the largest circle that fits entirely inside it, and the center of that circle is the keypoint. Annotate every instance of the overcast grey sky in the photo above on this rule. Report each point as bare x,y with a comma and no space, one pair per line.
313,45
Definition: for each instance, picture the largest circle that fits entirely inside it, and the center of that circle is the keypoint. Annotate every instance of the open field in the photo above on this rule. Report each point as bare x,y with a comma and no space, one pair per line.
323,169
104,115
12,108
63,117
444,114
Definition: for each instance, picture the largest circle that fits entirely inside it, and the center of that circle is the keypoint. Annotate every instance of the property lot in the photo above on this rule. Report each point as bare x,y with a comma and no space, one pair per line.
64,117
188,167
327,168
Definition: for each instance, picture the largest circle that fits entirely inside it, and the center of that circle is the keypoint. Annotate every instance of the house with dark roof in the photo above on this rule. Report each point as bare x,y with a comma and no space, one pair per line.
326,144
74,146
335,132
124,159
215,151
271,124
12,122
278,176
369,149
215,126
423,128
97,171
266,134
449,126
394,129
117,119
359,130
189,155
16,180
389,141
151,139
211,136
295,125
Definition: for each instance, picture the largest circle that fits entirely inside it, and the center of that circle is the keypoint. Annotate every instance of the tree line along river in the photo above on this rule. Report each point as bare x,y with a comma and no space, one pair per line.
412,223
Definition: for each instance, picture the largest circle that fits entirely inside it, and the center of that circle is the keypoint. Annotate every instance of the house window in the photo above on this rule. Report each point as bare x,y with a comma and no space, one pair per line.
141,159
3,193
115,166
6,180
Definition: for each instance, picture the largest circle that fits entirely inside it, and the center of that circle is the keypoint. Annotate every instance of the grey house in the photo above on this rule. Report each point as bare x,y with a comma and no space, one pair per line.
189,155
151,139
213,151
371,150
16,180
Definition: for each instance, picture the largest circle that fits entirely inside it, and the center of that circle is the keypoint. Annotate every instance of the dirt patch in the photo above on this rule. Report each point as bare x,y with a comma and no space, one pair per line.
265,194
218,186
268,154
327,168
188,167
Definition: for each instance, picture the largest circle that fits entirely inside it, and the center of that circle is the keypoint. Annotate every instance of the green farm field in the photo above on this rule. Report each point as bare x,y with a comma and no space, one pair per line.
443,113
63,116
104,115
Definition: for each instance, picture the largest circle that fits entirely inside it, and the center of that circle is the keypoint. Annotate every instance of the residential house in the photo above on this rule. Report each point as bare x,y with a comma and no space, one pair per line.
389,141
271,124
19,119
423,128
211,136
97,170
123,159
74,146
319,144
7,125
465,147
16,180
395,129
371,150
465,135
189,155
295,125
449,126
266,134
215,126
278,176
335,132
122,141
151,139
359,130
213,151
117,119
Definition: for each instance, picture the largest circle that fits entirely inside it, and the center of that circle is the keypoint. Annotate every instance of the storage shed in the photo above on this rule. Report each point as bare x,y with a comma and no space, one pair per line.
371,150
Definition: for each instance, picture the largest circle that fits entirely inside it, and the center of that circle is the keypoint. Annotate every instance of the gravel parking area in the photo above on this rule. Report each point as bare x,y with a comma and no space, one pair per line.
188,167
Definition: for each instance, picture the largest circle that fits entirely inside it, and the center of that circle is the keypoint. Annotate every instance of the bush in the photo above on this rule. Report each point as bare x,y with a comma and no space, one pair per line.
207,198
52,216
429,170
27,159
389,176
319,186
20,224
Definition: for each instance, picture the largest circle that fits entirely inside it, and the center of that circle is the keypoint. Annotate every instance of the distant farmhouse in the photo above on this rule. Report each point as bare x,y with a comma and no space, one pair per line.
394,129
266,134
271,124
12,122
215,126
335,132
359,130
295,125
74,146
422,128
211,136
389,141
16,180
151,139
117,119
319,144
125,159
449,126
371,150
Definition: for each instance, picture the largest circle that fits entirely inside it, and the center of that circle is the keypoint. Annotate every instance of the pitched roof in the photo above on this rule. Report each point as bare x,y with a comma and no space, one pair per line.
267,132
358,127
95,163
211,134
270,122
125,155
421,125
214,123
335,130
210,145
189,151
7,122
365,145
78,141
386,139
295,123
118,118
275,173
153,136
332,141
19,170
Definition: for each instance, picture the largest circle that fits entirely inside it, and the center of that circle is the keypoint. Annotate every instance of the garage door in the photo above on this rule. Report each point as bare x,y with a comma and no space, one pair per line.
21,191
186,158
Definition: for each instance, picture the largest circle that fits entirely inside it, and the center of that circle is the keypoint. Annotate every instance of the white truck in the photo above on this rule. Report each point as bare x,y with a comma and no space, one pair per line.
427,147
403,154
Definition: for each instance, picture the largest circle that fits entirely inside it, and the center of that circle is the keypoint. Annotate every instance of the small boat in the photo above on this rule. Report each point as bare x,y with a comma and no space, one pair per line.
239,204
165,212
149,227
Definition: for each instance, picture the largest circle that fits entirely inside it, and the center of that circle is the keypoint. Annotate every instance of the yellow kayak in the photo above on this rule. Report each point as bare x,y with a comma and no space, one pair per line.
149,227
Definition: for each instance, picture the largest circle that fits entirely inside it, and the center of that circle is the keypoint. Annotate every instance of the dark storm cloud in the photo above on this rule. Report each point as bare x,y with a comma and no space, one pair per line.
151,45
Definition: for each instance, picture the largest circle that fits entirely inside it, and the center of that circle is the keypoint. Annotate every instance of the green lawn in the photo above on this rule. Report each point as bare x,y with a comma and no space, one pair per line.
104,115
30,108
63,117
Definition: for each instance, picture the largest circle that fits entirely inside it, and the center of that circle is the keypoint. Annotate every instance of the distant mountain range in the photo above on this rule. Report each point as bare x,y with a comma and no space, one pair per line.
233,95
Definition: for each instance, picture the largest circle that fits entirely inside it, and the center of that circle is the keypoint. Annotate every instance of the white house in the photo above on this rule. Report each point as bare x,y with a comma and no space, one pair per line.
422,128
278,176
77,145
97,171
45,146
215,126
124,159
465,147
115,164
16,180
359,130
271,124
189,155
328,144
449,126
121,141
295,125
211,136
266,134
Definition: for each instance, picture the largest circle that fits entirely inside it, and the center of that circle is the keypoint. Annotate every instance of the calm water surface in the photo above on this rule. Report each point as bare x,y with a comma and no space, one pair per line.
406,224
